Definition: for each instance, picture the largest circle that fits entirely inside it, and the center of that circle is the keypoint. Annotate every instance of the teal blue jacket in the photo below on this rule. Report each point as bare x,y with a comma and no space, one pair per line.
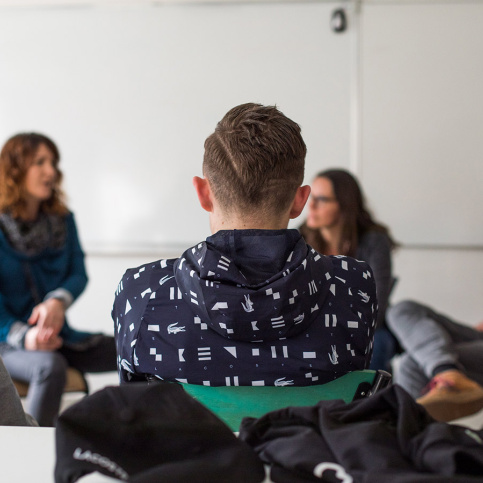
51,269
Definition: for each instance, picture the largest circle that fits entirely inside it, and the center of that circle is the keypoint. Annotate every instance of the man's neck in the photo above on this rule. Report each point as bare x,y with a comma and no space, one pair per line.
246,223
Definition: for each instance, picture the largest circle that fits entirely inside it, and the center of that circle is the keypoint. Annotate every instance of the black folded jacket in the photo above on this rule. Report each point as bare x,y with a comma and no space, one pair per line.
385,438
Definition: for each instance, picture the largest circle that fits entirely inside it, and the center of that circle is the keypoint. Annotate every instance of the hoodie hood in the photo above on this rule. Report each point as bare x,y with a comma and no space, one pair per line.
254,285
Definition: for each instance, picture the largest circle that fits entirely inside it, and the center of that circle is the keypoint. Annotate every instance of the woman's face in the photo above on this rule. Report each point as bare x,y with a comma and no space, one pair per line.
41,176
324,209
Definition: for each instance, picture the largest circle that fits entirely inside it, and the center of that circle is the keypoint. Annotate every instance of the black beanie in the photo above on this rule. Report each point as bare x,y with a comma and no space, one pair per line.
141,432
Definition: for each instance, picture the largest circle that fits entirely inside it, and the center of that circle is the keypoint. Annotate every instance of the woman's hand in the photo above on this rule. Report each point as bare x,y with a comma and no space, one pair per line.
33,341
49,317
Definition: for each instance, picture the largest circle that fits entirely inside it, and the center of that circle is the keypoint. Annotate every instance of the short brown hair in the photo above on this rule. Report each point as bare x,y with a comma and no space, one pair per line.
15,159
254,161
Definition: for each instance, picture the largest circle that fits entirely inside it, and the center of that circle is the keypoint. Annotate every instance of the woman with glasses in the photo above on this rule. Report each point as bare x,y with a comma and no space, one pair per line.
339,223
42,272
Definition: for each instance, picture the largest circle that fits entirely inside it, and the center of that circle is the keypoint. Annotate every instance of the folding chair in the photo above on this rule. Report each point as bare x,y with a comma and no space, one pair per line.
232,403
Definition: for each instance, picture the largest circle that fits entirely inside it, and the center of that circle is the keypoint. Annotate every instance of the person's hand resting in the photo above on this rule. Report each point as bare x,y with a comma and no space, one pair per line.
34,342
48,317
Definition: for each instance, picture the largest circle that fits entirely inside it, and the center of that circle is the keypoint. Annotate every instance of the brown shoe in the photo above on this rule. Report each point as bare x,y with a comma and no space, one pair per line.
452,395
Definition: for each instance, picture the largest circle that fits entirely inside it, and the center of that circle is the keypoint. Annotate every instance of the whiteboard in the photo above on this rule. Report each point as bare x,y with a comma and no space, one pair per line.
130,93
422,119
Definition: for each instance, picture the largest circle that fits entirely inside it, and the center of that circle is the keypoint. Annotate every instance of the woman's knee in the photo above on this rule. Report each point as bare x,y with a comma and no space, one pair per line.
400,312
51,365
409,375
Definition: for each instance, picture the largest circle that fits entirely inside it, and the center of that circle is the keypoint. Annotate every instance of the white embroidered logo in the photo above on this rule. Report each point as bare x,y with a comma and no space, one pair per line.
281,382
249,304
100,460
334,357
172,329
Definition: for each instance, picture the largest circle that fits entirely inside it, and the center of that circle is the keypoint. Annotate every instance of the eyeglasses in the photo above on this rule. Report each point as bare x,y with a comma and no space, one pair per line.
319,200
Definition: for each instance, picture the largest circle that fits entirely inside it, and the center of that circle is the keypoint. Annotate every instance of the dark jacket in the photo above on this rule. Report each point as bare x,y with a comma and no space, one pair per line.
375,249
385,438
246,307
47,271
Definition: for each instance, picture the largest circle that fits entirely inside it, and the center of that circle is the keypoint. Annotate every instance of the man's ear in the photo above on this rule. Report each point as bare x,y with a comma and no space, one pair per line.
301,197
203,191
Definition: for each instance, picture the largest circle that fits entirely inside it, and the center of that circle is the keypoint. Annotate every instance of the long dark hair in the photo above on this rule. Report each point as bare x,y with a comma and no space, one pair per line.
356,218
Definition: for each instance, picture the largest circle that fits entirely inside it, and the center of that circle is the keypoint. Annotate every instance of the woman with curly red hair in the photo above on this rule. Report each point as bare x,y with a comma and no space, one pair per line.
42,272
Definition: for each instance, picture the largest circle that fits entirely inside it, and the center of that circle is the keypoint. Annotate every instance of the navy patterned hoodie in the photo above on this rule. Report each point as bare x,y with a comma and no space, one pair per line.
246,307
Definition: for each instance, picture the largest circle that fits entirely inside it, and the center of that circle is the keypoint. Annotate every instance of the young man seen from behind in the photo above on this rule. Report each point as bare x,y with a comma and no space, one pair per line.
253,304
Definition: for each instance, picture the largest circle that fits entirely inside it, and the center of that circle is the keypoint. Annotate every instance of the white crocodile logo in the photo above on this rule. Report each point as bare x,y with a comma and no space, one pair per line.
172,329
281,382
249,304
334,357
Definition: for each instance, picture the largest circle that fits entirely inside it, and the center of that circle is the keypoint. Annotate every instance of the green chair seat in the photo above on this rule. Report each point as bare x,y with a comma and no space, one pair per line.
232,403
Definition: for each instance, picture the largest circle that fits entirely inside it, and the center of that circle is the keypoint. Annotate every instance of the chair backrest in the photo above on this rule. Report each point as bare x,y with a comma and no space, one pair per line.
232,403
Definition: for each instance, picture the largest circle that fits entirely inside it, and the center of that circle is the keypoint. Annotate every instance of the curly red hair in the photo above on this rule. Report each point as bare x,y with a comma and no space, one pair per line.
16,157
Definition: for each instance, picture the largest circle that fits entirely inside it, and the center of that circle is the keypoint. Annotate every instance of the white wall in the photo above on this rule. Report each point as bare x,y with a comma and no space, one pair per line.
448,280
131,92
422,118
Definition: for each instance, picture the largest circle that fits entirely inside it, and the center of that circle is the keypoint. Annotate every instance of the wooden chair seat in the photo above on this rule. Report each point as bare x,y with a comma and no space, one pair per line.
75,382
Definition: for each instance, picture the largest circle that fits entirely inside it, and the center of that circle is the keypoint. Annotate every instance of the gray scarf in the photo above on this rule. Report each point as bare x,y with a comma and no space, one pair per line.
33,237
